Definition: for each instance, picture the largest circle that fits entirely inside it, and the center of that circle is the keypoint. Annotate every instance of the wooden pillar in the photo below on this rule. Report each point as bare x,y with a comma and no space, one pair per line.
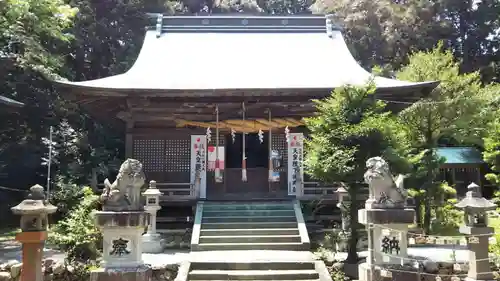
129,140
478,173
453,177
94,182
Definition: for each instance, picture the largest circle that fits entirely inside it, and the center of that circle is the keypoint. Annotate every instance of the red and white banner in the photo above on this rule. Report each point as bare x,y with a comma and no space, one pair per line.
199,162
295,158
212,163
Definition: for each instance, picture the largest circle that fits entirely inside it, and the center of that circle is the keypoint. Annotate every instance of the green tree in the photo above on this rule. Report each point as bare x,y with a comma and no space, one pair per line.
350,127
386,32
491,152
31,33
448,113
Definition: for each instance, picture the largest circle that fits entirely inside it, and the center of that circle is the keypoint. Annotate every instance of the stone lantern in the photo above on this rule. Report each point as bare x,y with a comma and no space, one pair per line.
342,197
151,241
475,208
343,237
34,211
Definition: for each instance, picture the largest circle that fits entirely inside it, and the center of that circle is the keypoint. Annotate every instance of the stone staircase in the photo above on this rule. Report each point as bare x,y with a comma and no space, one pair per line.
249,226
298,270
252,241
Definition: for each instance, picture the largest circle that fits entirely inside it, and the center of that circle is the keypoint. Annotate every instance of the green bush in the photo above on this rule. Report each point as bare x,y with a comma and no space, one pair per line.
66,197
448,219
496,199
77,234
74,271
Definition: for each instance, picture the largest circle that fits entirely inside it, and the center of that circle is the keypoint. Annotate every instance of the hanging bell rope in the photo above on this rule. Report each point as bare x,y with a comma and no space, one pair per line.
218,176
244,157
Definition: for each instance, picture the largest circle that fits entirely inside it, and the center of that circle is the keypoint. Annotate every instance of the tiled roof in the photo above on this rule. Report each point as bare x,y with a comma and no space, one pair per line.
460,155
242,53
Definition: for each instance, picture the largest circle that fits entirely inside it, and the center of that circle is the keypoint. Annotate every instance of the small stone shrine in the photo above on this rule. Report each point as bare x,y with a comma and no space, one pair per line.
34,211
476,228
122,222
387,216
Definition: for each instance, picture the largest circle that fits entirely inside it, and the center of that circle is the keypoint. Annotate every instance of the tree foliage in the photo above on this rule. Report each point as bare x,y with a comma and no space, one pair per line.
77,235
450,108
350,127
387,32
492,150
450,115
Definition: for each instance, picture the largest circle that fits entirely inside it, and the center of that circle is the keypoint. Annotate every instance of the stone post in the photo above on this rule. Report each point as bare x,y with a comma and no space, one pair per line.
122,222
151,241
475,208
386,216
34,212
343,237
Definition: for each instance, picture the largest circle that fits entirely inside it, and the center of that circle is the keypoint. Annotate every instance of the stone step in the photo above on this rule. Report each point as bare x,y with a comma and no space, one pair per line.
250,232
268,280
253,265
250,239
253,275
290,246
249,219
249,206
239,213
247,225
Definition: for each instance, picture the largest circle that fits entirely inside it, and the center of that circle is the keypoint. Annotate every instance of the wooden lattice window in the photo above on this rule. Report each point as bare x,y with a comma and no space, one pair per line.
279,143
177,155
222,139
150,152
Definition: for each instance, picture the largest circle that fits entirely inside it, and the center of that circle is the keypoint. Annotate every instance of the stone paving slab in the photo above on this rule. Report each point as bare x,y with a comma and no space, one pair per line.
178,256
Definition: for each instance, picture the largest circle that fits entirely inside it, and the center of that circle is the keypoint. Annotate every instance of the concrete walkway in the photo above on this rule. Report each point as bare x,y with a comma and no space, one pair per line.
9,251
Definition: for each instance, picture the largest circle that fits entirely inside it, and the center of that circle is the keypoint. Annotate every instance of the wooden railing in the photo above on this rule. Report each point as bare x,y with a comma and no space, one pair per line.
317,190
177,191
172,191
184,191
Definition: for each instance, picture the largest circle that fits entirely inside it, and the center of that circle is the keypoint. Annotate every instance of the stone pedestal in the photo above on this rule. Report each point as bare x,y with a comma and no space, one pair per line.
122,246
479,265
140,273
122,233
384,227
32,254
153,243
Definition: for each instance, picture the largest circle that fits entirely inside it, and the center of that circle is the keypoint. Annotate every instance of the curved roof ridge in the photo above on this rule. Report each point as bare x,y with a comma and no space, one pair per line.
239,22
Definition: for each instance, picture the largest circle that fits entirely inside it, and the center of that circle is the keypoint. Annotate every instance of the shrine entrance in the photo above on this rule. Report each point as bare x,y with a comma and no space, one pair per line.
257,164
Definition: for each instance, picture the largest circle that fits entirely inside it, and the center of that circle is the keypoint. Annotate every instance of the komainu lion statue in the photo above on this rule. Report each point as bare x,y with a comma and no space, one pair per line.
387,192
124,194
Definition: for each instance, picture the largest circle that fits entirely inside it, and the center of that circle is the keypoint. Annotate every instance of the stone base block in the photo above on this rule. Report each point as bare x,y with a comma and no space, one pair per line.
374,273
368,273
152,243
142,273
122,247
471,230
386,216
122,219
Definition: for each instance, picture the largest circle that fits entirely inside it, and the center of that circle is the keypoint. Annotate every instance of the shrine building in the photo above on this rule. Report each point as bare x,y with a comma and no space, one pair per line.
213,105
